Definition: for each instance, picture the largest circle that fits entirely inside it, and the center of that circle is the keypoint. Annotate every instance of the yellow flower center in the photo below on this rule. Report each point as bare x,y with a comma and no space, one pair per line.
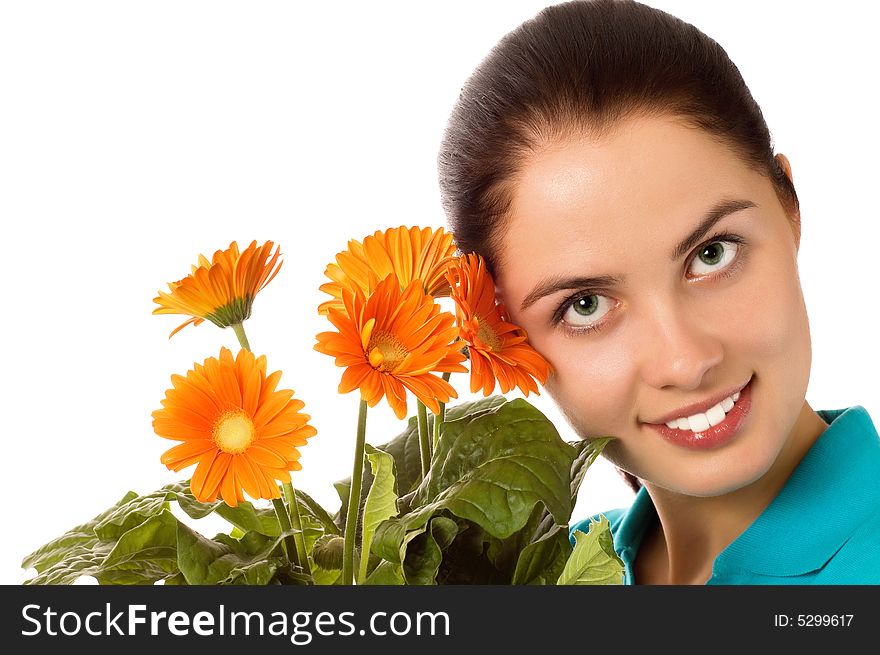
385,351
234,432
488,336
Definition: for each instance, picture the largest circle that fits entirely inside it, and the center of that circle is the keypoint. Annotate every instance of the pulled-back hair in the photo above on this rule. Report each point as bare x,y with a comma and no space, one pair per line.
579,68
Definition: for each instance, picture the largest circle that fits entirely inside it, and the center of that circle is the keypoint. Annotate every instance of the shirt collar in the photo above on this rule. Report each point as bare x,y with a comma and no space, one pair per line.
633,524
832,491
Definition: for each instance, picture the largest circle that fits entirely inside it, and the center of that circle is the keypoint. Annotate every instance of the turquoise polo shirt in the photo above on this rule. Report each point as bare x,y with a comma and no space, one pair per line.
822,528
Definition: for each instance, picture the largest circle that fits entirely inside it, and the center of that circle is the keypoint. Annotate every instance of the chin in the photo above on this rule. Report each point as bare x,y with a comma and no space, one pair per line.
724,479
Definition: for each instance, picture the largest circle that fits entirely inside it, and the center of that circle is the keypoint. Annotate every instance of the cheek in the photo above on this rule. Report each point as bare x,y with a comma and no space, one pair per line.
773,324
593,387
770,336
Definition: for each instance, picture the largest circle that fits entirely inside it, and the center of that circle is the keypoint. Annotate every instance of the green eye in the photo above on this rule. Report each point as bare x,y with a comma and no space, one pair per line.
712,253
714,256
587,311
587,305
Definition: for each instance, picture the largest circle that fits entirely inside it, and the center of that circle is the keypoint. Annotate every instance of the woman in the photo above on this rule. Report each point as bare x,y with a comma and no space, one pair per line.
612,167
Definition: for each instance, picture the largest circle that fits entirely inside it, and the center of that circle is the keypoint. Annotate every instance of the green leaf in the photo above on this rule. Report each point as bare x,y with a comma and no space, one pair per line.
322,576
144,554
493,468
499,469
71,543
176,580
588,451
131,514
506,554
136,542
251,560
381,502
197,556
312,531
466,560
392,541
127,544
424,553
386,573
343,489
285,574
76,562
473,408
248,518
444,530
404,448
593,560
543,561
181,492
311,507
387,541
243,516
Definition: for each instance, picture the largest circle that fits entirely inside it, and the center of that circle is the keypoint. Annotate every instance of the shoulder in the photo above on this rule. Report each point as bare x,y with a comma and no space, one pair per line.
614,516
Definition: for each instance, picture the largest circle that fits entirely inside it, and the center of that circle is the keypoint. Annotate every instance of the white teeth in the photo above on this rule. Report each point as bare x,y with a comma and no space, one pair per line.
698,422
716,414
704,420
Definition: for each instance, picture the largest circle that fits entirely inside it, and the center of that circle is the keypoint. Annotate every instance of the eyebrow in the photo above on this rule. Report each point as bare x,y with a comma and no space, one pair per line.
558,283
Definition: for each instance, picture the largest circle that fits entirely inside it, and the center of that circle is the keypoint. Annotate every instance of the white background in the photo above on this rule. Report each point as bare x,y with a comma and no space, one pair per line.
134,136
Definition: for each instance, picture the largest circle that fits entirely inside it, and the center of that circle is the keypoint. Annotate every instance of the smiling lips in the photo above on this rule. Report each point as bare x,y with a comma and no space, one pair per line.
704,420
711,428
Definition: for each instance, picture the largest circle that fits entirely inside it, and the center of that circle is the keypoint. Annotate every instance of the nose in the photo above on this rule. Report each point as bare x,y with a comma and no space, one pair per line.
679,347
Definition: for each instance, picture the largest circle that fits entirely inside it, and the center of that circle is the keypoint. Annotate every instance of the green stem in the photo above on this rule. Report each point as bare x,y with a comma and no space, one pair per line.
438,420
288,517
424,439
296,524
363,563
441,417
354,498
284,522
238,328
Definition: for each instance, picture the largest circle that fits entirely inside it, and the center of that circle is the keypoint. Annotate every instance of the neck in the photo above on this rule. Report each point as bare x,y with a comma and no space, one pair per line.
692,531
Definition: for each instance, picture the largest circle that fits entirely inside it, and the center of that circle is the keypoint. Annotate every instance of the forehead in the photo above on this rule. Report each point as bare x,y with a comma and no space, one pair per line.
591,202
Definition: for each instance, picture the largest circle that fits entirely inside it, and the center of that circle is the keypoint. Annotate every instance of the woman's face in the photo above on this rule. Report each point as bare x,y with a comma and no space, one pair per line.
682,311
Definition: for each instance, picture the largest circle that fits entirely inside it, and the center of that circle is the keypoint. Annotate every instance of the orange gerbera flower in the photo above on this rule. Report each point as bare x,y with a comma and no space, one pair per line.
390,341
222,290
235,426
497,348
409,253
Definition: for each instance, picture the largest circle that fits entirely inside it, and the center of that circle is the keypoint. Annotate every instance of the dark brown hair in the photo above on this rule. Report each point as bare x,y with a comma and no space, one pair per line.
579,68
